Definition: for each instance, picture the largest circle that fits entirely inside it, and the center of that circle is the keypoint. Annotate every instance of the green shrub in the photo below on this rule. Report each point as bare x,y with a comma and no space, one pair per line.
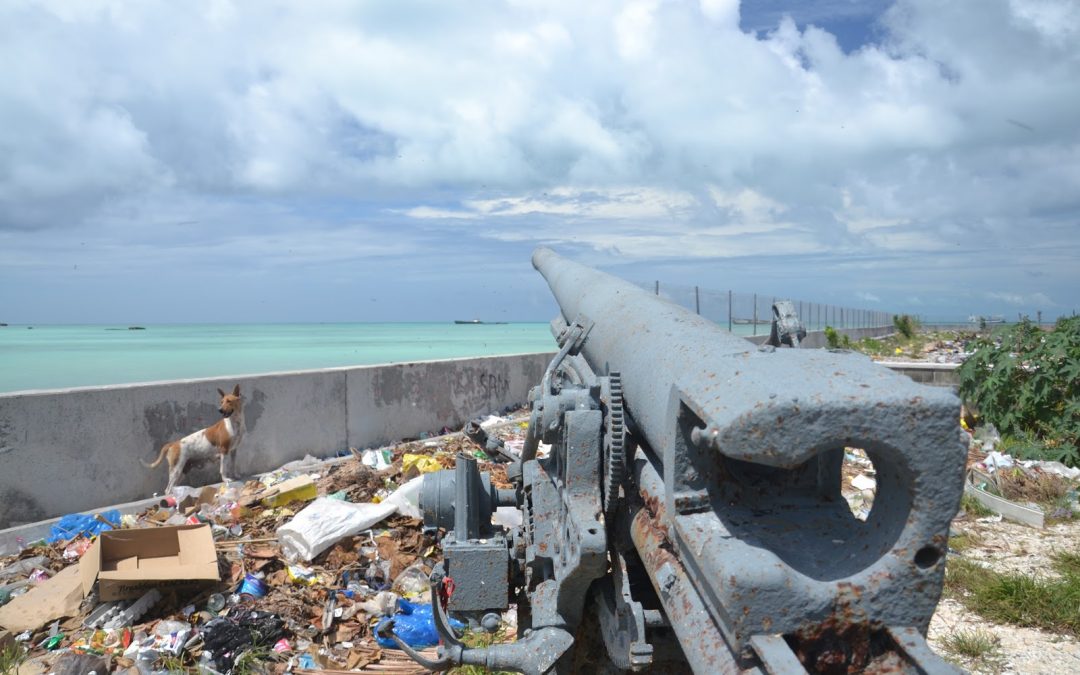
906,325
835,339
1026,381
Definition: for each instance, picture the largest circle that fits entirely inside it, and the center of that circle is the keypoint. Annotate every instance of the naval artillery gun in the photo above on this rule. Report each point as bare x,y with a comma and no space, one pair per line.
688,516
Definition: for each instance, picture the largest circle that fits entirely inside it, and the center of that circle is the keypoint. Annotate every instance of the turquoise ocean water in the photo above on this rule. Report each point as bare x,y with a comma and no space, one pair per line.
49,357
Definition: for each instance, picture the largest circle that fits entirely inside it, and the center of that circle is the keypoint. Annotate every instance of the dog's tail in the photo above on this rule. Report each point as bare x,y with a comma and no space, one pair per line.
161,455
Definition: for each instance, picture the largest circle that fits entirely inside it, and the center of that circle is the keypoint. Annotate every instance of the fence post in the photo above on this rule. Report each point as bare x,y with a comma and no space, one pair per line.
755,314
697,301
729,311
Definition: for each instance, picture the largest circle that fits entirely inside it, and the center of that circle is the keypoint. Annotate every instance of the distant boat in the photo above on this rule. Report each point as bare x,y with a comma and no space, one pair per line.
136,328
2,324
478,322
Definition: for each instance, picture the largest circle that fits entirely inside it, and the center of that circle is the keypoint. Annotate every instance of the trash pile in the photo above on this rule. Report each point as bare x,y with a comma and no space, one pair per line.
1025,491
858,482
936,351
291,572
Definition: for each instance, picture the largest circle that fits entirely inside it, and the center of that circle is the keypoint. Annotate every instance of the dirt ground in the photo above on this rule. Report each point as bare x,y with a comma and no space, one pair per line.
1008,547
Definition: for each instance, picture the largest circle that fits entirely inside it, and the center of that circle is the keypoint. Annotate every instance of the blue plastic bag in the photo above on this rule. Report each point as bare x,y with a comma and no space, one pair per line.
81,525
415,625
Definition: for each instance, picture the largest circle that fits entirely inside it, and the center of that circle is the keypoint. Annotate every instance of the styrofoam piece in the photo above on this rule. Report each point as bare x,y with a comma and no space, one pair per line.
102,614
1025,515
135,610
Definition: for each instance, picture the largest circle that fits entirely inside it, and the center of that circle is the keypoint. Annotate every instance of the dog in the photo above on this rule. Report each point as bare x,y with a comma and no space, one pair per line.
221,438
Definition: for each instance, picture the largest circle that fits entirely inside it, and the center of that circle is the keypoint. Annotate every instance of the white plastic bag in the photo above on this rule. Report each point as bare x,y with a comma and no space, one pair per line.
407,498
326,521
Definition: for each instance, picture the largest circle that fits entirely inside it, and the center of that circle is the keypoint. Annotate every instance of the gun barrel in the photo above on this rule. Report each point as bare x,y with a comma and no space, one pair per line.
750,441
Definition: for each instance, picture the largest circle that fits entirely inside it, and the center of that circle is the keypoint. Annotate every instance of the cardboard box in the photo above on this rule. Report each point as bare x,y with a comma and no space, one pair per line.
128,563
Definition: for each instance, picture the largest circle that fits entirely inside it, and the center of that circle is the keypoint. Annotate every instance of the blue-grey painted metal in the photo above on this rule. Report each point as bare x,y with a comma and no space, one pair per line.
694,473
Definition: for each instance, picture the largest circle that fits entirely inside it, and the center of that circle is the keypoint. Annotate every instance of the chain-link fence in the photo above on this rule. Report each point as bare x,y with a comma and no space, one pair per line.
751,313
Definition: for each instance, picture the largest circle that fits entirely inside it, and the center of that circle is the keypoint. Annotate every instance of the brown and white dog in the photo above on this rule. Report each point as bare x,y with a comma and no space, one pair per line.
221,439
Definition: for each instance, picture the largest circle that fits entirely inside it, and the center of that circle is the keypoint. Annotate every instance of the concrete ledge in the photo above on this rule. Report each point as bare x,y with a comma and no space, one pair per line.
937,374
67,451
816,339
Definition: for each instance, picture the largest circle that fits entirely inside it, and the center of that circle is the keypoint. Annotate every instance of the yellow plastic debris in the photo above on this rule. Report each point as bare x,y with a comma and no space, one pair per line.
301,489
422,463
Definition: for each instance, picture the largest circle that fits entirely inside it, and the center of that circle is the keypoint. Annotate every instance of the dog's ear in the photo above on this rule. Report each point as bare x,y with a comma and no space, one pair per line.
221,392
236,390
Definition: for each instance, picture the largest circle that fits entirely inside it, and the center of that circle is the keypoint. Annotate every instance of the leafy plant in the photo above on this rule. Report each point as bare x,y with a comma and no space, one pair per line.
1027,382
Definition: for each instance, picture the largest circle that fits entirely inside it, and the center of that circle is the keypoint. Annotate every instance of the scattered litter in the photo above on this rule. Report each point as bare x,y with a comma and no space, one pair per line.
996,460
378,459
22,567
225,638
289,578
863,482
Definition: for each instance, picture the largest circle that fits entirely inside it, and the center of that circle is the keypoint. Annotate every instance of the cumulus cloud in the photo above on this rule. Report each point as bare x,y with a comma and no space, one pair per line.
643,130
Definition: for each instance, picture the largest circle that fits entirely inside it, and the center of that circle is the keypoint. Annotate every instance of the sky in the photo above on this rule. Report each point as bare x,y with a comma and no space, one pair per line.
229,161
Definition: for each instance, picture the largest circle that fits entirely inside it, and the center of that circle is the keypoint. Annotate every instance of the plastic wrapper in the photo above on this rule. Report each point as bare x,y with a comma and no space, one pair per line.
413,581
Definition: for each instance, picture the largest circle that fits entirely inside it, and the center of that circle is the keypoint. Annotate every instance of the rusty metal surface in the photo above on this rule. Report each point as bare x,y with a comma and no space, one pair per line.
728,537
750,443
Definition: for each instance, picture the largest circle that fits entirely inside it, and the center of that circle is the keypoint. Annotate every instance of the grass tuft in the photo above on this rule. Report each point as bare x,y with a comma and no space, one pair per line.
1019,599
976,647
1067,563
972,644
11,657
964,541
973,507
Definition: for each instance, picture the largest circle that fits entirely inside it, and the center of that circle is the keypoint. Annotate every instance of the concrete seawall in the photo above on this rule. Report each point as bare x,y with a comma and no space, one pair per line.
70,450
